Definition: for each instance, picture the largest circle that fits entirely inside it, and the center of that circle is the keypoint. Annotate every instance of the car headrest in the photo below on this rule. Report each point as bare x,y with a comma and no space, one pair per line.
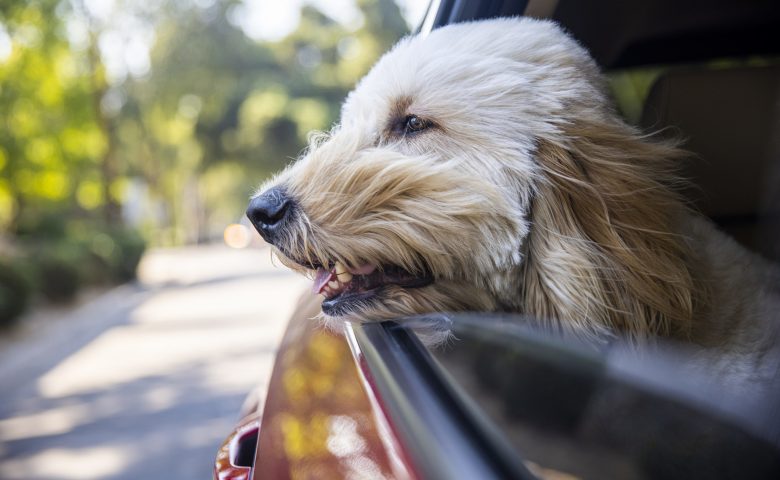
729,118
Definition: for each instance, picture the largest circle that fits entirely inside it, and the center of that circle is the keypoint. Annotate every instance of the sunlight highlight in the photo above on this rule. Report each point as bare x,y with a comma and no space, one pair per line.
6,47
54,421
70,463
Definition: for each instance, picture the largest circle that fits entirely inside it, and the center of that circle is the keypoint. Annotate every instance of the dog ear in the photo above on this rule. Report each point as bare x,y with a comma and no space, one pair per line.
603,254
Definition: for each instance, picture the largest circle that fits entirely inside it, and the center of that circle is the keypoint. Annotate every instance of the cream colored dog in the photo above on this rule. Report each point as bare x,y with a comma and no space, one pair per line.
482,167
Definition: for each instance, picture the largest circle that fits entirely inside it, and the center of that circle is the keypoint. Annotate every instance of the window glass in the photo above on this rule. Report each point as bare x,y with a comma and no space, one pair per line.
572,412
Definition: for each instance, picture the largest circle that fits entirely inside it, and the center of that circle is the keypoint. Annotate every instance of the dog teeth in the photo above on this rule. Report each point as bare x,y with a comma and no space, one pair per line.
342,273
333,284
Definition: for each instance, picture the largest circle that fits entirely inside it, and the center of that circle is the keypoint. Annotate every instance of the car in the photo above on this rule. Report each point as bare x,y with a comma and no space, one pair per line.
493,398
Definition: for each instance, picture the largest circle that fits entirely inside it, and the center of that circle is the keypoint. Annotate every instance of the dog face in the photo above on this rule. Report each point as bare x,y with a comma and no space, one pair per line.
421,198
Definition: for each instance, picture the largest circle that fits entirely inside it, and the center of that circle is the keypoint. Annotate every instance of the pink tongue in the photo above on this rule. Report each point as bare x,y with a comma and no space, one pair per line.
321,279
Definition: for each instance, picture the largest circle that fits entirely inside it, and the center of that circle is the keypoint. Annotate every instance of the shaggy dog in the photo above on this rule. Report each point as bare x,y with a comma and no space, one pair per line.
482,167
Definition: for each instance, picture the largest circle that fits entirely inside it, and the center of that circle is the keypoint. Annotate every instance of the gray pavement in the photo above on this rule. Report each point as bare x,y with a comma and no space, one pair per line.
144,381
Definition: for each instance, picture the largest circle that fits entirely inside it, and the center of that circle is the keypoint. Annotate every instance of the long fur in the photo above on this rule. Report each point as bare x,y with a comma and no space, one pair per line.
602,254
527,193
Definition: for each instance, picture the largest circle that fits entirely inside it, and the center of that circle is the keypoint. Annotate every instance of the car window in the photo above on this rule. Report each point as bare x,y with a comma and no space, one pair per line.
570,411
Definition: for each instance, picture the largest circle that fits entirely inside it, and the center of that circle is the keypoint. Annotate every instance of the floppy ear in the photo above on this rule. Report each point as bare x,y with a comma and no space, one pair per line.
603,254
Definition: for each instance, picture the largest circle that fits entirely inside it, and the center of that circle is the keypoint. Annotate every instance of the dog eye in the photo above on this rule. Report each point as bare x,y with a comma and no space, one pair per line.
415,124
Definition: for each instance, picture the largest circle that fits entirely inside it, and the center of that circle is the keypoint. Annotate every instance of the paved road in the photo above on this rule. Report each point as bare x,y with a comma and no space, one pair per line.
144,381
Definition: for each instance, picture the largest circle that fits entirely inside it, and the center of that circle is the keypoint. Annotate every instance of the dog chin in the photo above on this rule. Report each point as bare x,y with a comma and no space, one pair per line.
384,303
347,306
393,302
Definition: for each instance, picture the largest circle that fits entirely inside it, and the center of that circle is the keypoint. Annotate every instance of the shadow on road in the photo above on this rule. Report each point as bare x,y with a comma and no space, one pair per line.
145,381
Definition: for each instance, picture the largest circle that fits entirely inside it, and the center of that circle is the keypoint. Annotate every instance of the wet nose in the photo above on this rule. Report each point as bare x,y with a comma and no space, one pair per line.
268,212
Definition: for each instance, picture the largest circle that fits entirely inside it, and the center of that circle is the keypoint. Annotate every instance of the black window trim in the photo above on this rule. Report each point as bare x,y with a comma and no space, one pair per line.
446,437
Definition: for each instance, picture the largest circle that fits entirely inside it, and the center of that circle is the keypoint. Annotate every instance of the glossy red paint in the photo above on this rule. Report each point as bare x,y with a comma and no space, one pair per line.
389,434
320,421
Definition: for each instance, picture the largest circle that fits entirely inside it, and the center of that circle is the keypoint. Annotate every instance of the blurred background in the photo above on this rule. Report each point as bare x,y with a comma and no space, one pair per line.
136,306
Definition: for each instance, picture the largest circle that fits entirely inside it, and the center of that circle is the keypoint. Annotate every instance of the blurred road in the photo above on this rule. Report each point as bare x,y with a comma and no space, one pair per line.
145,381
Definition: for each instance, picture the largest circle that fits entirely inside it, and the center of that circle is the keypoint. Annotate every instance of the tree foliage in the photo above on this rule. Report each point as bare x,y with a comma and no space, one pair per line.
178,147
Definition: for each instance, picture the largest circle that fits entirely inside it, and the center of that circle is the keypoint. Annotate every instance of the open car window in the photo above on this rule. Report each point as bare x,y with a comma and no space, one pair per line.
560,408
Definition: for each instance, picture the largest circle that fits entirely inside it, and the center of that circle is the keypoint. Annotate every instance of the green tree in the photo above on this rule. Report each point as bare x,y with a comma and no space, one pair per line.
50,142
220,112
184,144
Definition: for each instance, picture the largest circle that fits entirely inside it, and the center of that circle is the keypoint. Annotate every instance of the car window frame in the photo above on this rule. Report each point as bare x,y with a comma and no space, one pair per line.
443,432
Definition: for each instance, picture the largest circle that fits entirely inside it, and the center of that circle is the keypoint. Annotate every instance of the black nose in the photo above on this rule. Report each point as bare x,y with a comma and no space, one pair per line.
268,212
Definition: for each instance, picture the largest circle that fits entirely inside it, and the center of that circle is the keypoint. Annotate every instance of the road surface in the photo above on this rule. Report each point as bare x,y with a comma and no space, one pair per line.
144,381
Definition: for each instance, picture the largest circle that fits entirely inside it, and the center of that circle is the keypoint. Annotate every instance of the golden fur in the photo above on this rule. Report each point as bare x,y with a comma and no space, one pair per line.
602,254
526,193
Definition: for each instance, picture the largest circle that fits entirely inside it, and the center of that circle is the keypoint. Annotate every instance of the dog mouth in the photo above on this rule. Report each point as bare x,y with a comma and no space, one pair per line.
346,288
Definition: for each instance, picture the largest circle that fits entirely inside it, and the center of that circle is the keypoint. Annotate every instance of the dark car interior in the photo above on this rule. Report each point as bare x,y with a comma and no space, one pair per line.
730,118
706,73
714,71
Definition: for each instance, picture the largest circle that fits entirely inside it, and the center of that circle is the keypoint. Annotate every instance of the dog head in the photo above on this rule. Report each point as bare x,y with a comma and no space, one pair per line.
466,173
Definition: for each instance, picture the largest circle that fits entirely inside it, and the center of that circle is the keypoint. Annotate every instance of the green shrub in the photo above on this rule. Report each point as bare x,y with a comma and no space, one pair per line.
15,290
130,247
41,223
57,267
94,265
107,255
58,277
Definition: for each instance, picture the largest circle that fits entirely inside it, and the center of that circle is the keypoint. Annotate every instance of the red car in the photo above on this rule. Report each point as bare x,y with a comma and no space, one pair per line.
502,401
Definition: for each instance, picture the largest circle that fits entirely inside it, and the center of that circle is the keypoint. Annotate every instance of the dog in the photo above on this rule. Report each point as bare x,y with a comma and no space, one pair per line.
483,168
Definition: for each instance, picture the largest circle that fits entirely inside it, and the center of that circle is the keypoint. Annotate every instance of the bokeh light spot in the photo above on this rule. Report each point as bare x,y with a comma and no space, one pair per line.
236,236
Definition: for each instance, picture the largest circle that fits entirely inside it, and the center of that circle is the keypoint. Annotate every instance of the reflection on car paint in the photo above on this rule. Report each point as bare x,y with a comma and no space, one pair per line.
318,421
